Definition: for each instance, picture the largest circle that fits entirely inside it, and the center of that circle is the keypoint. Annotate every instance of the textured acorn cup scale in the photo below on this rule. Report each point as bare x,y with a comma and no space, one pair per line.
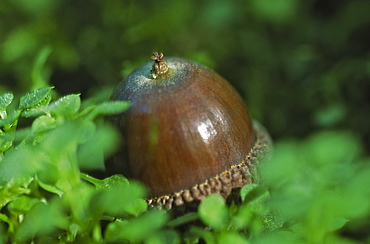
187,133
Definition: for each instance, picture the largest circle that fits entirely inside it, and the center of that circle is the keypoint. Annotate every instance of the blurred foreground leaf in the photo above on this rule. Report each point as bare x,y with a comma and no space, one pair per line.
213,211
136,230
318,186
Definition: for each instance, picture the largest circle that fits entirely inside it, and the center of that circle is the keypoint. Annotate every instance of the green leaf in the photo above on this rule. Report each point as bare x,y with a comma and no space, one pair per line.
272,221
23,162
38,70
66,106
62,141
35,98
119,200
336,223
115,180
331,147
42,219
164,237
196,233
184,219
5,100
3,233
247,190
6,141
138,229
136,207
43,123
231,237
242,218
111,107
213,211
112,181
50,188
278,237
22,204
356,196
10,119
255,196
100,142
38,110
13,189
133,205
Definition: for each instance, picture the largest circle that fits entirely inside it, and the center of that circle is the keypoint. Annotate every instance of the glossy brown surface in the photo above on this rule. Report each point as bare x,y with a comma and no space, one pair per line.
183,129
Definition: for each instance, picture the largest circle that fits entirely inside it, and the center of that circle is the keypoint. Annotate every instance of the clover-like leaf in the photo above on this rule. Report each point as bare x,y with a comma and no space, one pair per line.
231,237
43,123
66,106
213,211
13,189
5,100
38,110
6,141
253,193
111,107
49,187
138,229
164,237
22,204
42,219
10,119
35,98
97,144
119,200
112,181
6,219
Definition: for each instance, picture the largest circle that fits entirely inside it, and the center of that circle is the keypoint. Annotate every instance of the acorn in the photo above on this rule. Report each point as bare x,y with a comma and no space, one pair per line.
187,133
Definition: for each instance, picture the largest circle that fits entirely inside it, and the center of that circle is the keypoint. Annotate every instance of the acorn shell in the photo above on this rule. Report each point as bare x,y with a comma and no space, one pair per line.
187,129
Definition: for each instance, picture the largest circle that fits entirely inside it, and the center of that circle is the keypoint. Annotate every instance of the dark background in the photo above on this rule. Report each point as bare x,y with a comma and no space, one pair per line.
301,65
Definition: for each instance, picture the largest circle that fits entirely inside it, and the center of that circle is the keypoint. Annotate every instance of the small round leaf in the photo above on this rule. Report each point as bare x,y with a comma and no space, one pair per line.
213,211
